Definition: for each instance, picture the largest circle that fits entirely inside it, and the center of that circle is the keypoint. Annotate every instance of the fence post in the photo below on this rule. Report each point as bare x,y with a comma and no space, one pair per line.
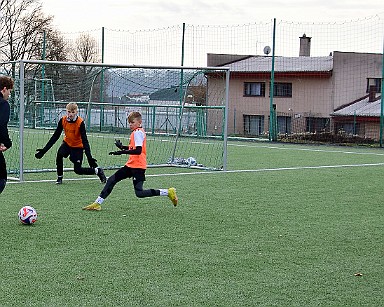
382,103
21,120
272,136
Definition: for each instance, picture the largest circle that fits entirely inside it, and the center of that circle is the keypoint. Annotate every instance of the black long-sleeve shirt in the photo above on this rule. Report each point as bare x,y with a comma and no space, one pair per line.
59,129
4,119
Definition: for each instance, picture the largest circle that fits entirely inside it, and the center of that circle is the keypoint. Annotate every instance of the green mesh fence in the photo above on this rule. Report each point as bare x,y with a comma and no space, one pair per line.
323,73
328,79
183,116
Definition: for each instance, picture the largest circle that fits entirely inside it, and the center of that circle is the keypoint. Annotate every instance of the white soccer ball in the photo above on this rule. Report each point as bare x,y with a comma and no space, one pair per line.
191,161
27,215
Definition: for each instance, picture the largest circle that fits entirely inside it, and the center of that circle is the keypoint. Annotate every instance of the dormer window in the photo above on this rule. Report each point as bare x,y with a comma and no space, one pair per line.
376,83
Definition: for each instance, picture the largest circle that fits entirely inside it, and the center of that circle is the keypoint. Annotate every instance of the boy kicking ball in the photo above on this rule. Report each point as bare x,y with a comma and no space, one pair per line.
134,168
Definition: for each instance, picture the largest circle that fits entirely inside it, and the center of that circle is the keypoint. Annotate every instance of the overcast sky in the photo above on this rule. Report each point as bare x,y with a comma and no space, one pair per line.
132,15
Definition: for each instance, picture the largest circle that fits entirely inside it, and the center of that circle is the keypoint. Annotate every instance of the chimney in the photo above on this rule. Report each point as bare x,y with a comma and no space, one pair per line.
305,46
372,93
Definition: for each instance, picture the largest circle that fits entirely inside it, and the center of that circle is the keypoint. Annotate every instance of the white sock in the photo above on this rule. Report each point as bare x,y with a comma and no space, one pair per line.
96,170
163,192
99,200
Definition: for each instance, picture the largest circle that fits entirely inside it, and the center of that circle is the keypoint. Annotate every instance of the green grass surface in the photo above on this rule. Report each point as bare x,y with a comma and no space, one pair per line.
292,229
160,148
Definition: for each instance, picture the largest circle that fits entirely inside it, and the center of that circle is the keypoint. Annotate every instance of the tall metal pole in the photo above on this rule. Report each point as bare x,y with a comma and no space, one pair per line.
102,61
182,64
101,82
43,68
21,121
382,102
226,119
178,129
272,134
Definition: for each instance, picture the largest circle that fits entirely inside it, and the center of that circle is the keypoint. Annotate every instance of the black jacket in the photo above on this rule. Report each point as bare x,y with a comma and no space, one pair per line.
4,119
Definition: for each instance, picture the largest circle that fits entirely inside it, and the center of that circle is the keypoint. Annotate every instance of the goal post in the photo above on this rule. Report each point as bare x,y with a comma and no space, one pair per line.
184,112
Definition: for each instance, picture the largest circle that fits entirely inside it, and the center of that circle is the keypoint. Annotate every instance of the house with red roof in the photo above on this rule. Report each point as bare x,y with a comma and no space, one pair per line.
340,91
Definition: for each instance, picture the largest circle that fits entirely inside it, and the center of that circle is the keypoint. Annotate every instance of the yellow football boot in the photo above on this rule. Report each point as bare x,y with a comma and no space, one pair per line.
172,196
92,207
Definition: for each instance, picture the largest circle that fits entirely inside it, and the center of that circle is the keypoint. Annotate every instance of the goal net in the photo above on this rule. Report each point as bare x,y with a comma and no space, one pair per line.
183,110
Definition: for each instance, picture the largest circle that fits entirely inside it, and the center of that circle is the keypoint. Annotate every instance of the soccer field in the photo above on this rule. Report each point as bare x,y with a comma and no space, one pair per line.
287,225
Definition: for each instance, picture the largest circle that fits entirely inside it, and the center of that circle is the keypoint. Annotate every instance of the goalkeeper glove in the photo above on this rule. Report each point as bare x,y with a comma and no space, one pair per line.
119,144
92,162
116,153
40,152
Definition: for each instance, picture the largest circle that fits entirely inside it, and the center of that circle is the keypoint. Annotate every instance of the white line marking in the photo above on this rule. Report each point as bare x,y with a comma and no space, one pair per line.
230,171
307,149
273,169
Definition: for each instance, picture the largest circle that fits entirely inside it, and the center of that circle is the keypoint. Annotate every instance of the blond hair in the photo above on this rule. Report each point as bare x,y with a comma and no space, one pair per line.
72,106
134,115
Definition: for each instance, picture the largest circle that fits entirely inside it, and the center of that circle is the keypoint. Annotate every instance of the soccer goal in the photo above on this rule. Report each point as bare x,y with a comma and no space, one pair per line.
184,112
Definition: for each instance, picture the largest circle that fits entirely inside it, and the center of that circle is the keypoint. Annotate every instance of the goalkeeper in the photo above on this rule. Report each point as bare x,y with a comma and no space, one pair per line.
134,168
74,144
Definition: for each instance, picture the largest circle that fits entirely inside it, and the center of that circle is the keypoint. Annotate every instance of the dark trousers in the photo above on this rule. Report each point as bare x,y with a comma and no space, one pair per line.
3,172
75,156
125,172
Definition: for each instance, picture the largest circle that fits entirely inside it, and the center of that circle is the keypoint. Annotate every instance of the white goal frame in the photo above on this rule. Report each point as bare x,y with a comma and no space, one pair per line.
22,99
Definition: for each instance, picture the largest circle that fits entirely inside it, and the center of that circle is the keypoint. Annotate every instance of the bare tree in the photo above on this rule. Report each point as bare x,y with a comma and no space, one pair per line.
56,48
2,16
85,49
24,31
197,94
2,5
22,24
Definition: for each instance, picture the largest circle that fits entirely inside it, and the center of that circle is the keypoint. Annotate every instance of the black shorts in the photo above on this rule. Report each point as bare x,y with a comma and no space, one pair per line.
74,154
137,174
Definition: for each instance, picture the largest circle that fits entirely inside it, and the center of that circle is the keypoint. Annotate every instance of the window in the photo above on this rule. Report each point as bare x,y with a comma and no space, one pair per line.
253,124
317,124
282,90
284,124
376,82
348,128
254,89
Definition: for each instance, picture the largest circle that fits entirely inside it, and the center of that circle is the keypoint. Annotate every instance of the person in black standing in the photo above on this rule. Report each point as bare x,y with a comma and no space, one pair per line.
6,86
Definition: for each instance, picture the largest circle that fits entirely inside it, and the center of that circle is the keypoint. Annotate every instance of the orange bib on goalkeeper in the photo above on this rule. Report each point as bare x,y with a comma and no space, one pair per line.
72,135
75,143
